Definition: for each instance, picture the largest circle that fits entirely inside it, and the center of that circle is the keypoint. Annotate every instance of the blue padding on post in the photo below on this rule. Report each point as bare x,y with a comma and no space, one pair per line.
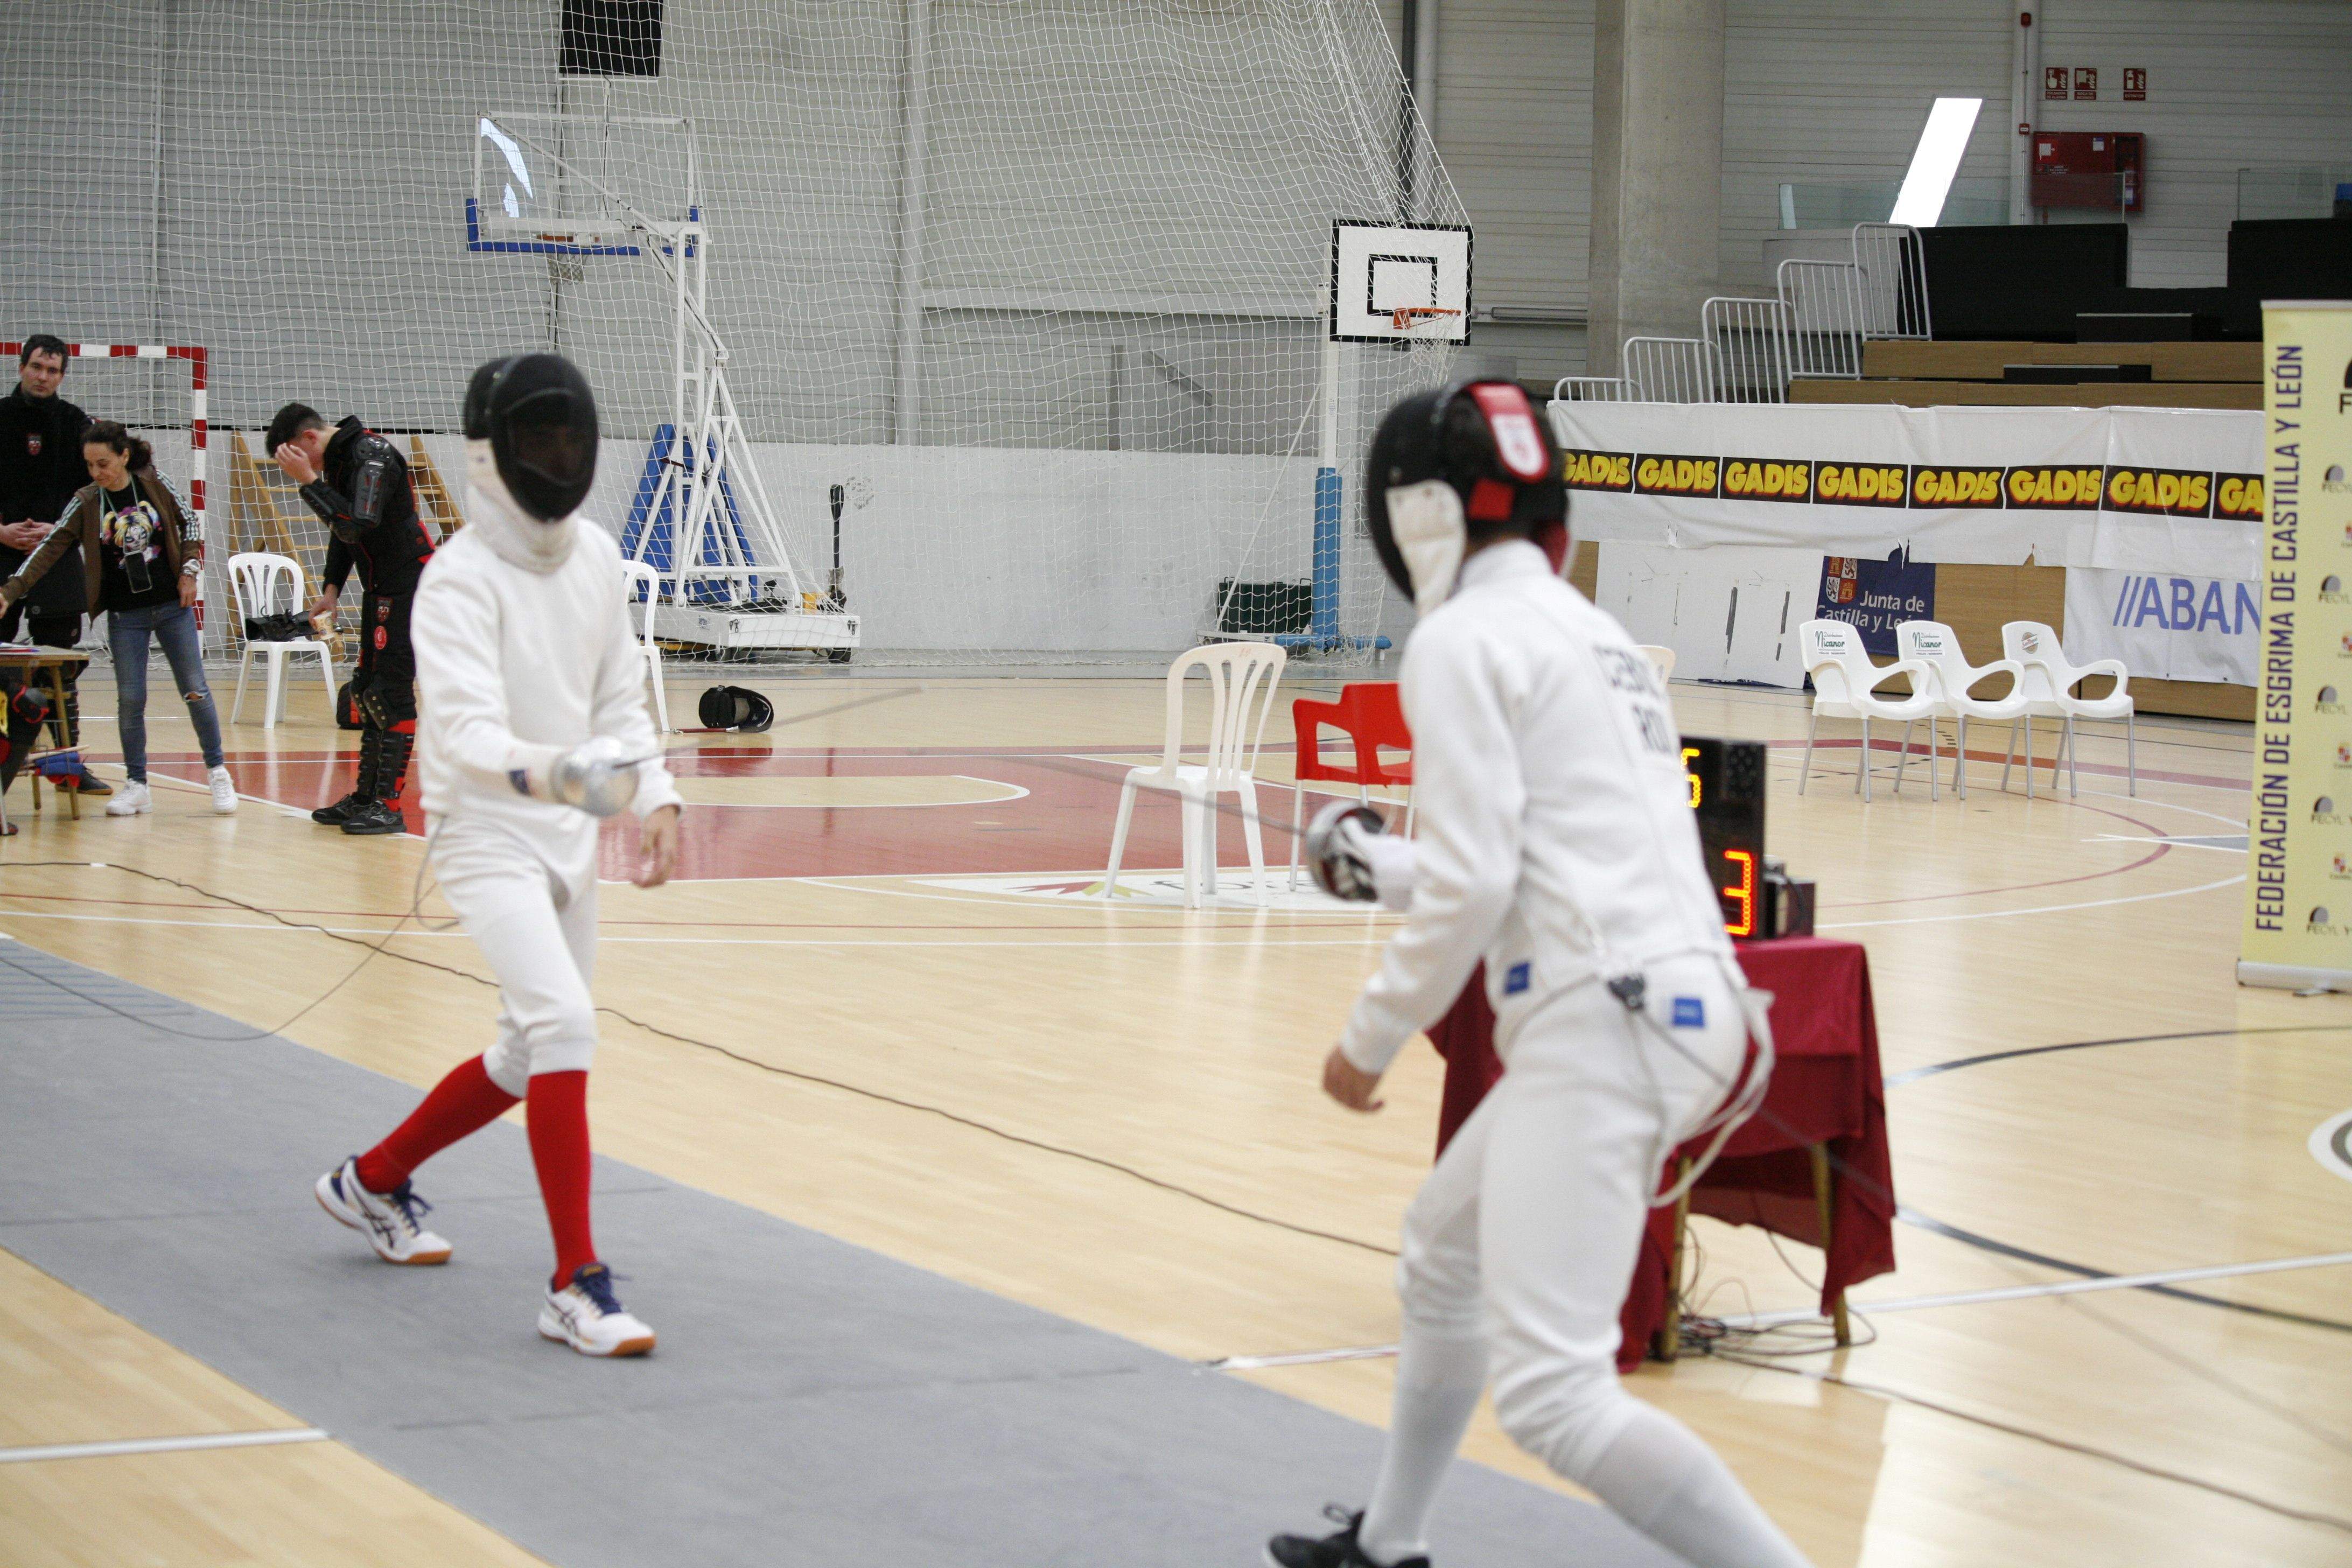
1325,622
659,529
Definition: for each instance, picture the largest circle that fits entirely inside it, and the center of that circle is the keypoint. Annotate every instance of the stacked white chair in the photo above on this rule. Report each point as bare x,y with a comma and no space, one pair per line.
643,579
1954,680
1661,658
2050,681
254,580
1844,687
1242,678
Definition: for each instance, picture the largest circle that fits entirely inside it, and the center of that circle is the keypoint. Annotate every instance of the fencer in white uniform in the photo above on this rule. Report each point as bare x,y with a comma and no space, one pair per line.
1558,844
534,725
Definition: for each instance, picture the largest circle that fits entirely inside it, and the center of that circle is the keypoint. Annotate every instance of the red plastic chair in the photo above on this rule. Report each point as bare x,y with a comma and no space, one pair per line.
1370,713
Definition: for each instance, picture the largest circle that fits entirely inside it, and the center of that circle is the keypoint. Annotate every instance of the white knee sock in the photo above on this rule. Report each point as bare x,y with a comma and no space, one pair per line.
1661,1479
1438,1384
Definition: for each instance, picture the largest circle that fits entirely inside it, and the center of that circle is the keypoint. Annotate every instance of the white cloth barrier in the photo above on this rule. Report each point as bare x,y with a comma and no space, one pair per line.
2165,490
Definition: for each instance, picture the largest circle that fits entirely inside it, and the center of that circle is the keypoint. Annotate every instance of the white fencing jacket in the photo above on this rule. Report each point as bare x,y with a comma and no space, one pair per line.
518,663
1557,840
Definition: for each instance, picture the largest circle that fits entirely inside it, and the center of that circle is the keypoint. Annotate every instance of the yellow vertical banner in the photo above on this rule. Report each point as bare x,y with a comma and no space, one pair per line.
2299,883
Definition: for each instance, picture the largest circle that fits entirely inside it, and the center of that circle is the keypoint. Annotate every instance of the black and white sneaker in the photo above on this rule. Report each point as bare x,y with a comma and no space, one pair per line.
588,1316
373,819
392,1222
1335,1551
336,814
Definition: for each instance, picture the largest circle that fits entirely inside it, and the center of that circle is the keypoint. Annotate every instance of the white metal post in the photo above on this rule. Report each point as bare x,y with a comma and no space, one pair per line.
917,88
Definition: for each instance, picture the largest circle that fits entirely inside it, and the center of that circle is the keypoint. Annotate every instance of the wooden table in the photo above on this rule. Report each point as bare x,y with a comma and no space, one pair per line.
1815,1169
56,663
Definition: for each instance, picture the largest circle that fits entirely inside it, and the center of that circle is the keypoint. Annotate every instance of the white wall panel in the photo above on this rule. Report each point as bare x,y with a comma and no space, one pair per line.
2231,84
1836,90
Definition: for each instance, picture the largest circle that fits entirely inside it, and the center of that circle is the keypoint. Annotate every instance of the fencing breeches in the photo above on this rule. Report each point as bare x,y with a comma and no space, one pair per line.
1517,1255
536,923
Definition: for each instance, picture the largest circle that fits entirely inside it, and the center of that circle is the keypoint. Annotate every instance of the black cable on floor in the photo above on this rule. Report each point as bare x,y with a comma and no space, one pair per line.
2328,1521
1764,1114
380,947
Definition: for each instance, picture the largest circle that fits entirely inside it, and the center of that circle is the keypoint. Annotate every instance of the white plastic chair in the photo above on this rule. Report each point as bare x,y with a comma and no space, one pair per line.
1242,677
641,577
253,579
1845,687
1663,657
2050,683
1931,642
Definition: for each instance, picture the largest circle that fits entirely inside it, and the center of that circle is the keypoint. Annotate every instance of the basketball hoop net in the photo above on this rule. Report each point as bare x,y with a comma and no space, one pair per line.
1408,317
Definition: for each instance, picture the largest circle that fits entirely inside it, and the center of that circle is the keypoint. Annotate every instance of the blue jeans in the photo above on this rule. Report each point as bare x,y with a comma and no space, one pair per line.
173,626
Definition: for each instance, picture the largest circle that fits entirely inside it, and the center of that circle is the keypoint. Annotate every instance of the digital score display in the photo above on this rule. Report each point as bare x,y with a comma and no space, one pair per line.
1726,792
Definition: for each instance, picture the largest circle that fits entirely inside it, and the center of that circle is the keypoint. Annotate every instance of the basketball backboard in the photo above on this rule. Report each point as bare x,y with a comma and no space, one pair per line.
1400,282
586,184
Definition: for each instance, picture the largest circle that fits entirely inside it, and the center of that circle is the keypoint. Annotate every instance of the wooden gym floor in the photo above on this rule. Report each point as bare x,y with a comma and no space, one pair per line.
883,920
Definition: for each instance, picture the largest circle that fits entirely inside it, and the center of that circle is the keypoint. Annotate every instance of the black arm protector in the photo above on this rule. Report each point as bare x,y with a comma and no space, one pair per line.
375,468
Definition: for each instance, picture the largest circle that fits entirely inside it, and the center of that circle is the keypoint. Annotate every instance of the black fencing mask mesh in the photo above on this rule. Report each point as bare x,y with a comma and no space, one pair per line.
539,418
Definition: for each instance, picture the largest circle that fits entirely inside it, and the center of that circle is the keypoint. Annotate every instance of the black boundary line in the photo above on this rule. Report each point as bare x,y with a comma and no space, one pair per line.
1987,1244
2179,1478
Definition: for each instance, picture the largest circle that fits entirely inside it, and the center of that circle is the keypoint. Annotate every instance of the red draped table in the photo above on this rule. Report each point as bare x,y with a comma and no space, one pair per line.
1787,1169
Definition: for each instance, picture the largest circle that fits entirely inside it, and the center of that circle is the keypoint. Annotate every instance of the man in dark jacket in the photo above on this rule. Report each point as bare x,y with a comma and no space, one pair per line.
40,469
358,484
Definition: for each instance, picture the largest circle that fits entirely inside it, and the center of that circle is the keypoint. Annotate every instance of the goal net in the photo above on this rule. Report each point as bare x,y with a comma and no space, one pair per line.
1029,295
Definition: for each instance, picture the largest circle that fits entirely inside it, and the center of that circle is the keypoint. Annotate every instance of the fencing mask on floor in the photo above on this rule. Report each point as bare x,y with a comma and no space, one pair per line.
539,419
736,707
1458,467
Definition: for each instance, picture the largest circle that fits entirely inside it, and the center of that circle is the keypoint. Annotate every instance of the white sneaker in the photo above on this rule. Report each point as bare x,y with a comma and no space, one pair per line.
224,792
130,798
588,1316
390,1221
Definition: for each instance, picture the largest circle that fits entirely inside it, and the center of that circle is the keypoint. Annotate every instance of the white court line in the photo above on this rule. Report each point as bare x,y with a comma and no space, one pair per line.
2331,1144
1297,1357
2038,910
162,1445
1908,1304
2177,843
2061,1288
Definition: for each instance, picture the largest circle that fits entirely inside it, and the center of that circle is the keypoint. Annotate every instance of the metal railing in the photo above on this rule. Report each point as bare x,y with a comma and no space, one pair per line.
1751,346
1825,318
1595,389
1894,269
1748,350
1671,370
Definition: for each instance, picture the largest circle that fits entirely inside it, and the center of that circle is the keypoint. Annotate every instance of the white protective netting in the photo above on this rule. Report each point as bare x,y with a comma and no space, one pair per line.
1038,282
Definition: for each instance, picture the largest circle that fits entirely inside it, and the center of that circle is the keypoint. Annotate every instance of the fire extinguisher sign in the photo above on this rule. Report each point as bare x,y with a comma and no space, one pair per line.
2134,84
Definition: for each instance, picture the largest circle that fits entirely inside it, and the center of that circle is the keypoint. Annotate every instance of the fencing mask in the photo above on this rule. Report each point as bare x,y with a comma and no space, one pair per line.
539,418
1455,467
736,707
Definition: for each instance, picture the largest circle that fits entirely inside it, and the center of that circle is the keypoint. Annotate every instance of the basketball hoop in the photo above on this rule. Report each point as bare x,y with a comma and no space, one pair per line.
1408,317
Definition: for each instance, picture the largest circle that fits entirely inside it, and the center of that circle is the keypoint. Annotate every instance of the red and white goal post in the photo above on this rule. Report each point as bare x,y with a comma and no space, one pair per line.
196,361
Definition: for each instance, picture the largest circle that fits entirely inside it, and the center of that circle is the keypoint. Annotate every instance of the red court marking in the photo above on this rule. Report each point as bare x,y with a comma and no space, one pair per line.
1062,825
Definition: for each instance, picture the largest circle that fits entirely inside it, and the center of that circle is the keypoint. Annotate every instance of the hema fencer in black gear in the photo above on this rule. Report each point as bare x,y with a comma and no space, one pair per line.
358,484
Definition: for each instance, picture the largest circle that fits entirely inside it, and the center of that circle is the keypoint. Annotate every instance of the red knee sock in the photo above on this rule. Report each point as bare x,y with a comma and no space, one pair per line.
462,1103
559,1148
